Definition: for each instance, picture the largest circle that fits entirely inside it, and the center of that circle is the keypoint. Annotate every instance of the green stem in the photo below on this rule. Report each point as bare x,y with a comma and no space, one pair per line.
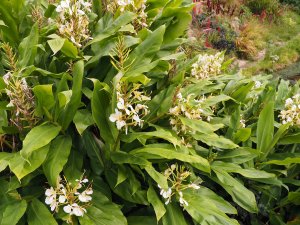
117,142
8,144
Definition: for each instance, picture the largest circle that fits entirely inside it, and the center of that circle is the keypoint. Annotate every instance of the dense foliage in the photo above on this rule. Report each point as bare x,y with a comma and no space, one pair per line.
106,120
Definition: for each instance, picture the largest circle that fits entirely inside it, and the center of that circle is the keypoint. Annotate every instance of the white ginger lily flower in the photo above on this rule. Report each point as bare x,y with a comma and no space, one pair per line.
124,2
51,198
258,84
74,209
194,186
85,196
117,116
182,201
62,199
121,103
137,119
289,102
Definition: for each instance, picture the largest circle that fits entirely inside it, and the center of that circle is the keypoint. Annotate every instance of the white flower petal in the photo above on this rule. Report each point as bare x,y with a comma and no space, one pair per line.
68,209
62,199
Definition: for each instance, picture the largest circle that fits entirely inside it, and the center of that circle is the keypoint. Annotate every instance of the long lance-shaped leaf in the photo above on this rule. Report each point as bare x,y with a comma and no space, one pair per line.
39,137
57,158
74,103
265,128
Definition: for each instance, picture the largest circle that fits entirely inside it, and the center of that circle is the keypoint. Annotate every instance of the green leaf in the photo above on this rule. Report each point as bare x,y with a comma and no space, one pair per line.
238,156
283,159
64,98
294,197
21,167
241,195
164,151
12,211
242,135
130,188
3,119
31,69
213,100
51,8
105,32
201,126
265,128
173,215
73,168
38,214
215,140
147,49
71,108
105,47
139,78
45,98
103,212
123,157
156,203
159,133
69,49
2,23
276,219
122,175
56,44
4,160
28,47
57,157
39,137
280,132
241,93
10,31
141,220
180,17
205,210
208,195
290,139
63,45
282,93
82,120
161,103
93,148
233,168
99,112
157,177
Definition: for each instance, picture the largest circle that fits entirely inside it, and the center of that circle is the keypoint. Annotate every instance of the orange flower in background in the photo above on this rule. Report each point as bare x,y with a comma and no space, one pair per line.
198,8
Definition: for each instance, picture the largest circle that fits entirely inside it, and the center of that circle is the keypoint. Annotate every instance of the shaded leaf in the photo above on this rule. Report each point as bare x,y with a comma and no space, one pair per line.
44,133
156,203
39,214
57,157
265,128
71,108
22,167
82,120
164,151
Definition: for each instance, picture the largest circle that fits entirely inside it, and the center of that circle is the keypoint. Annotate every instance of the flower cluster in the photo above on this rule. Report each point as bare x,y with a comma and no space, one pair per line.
258,84
131,106
207,65
191,108
188,107
137,7
178,181
275,58
242,121
21,99
74,198
291,113
73,21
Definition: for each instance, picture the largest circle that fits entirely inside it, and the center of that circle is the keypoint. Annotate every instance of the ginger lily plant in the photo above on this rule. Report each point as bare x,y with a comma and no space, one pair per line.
105,89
